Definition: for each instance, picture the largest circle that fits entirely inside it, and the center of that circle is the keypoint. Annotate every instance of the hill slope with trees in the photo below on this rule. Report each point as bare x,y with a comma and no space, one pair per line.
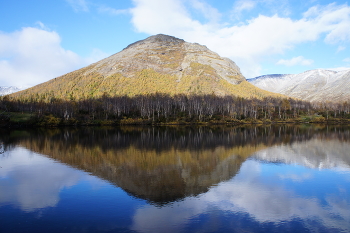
158,64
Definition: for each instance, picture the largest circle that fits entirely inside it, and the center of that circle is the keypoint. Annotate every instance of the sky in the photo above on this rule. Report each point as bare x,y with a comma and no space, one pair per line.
41,39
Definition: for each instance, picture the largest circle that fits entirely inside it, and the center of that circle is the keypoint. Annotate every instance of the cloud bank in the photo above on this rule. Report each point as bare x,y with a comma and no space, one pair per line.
247,43
34,55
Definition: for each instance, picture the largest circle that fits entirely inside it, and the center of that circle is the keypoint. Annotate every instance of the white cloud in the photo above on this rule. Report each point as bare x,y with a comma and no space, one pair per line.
246,44
78,5
335,20
112,11
41,25
295,61
243,5
347,59
32,56
156,16
208,11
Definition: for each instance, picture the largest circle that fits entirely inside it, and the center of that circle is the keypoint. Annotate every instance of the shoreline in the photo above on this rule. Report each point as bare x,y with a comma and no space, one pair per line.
144,122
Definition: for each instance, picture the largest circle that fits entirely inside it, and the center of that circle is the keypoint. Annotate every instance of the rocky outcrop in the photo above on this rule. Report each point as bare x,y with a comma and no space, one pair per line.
168,55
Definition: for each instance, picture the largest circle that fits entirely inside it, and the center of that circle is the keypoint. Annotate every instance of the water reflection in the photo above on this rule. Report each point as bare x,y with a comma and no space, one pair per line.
318,152
273,178
163,165
33,182
159,165
265,202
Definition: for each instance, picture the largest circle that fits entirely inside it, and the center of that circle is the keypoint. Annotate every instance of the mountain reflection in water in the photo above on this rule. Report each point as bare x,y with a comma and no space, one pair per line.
162,165
203,179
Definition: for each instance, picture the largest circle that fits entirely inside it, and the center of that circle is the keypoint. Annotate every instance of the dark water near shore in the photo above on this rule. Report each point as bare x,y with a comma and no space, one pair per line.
176,179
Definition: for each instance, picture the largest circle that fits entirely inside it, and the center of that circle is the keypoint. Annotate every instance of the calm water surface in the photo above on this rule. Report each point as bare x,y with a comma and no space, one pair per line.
221,179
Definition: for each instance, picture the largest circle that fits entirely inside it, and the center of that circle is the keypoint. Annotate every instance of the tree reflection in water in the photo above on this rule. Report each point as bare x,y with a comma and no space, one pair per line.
163,164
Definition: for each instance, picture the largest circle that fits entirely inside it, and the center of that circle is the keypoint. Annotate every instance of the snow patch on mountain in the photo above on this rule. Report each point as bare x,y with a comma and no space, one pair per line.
9,90
312,85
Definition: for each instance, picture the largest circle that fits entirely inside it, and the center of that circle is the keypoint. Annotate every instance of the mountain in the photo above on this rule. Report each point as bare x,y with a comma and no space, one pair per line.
312,85
160,63
272,76
8,90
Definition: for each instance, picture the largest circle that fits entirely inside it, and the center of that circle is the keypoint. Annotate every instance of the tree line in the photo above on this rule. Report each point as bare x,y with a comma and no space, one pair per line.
163,108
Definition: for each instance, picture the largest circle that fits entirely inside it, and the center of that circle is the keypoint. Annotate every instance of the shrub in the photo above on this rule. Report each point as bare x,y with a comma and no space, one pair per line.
318,119
49,120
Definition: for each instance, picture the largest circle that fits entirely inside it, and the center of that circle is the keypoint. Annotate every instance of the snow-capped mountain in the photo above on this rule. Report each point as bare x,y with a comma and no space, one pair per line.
8,90
312,85
271,76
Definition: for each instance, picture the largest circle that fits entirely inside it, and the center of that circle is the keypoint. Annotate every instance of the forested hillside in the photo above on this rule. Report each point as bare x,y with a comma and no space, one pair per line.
159,80
158,64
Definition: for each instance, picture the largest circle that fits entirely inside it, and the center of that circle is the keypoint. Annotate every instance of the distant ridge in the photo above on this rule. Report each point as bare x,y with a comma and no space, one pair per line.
267,76
8,90
314,85
157,64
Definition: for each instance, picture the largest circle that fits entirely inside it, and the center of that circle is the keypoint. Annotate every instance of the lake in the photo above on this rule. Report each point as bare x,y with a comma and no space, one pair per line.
282,178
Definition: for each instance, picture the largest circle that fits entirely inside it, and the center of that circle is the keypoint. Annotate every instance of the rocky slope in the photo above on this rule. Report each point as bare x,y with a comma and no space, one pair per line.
160,63
312,85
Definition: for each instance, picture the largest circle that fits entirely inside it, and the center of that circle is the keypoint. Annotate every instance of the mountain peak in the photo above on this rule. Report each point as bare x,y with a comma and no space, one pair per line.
164,38
157,64
159,38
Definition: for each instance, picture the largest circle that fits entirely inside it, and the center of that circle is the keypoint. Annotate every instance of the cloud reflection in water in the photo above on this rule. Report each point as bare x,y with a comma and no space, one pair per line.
31,181
266,201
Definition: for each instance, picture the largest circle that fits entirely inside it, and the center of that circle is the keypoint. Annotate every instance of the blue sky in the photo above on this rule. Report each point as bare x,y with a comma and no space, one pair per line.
41,39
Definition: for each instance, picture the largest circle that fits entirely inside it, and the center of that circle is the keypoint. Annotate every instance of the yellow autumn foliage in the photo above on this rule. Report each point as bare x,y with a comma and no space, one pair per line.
85,83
